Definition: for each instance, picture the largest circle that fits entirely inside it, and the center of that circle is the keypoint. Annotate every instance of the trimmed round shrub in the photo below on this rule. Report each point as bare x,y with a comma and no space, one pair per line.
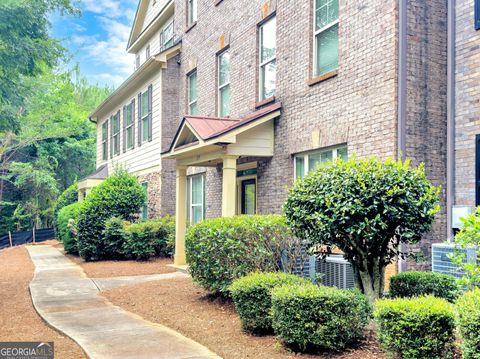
67,219
220,250
69,196
413,328
120,195
115,236
416,284
252,297
154,237
309,317
468,323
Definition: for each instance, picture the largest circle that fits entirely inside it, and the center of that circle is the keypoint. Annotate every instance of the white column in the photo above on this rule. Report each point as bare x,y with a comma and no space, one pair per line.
229,186
180,215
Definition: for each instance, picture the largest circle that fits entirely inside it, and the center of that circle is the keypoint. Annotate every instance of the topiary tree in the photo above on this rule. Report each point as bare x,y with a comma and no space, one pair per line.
365,208
69,196
120,195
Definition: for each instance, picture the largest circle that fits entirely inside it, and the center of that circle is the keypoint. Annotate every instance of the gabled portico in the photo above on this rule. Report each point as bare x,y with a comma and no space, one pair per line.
211,142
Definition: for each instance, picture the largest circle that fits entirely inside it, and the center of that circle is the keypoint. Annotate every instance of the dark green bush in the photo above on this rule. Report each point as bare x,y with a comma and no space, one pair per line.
252,297
115,236
67,219
69,196
309,317
154,237
120,195
413,328
416,284
468,323
220,250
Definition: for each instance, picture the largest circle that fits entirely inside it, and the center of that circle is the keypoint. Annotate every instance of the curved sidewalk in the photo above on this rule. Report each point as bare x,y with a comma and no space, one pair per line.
70,301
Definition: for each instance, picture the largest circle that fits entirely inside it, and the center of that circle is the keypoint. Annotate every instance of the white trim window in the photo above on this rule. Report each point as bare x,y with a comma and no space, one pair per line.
309,161
105,141
196,198
137,61
147,52
115,145
268,58
192,12
129,121
192,93
166,36
325,27
145,123
223,65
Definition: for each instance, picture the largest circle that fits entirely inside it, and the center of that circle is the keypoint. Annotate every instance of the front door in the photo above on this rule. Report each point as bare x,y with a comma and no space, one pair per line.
248,196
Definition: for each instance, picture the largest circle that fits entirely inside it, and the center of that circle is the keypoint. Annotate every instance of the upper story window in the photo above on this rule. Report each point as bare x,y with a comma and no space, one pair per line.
223,65
477,14
147,52
192,93
128,113
196,198
115,128
326,36
105,141
137,61
191,12
309,161
145,116
166,36
268,62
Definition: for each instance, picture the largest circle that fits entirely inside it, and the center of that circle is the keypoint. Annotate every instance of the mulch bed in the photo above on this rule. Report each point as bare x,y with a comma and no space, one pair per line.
107,269
18,319
188,309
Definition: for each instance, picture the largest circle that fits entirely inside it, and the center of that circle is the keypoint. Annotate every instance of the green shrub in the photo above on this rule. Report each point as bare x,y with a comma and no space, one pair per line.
220,250
67,219
115,236
309,317
69,196
468,323
120,195
252,297
413,328
416,284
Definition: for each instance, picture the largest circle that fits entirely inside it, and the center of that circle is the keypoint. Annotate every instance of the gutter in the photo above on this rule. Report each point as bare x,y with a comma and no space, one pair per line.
402,100
450,186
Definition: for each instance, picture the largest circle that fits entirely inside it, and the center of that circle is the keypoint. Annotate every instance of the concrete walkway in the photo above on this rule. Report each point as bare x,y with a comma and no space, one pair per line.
113,282
69,301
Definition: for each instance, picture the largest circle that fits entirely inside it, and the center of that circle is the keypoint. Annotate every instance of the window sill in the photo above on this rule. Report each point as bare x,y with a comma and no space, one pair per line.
217,2
322,78
267,101
190,27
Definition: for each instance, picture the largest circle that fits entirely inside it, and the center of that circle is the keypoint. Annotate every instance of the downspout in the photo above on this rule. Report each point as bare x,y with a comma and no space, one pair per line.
402,99
450,185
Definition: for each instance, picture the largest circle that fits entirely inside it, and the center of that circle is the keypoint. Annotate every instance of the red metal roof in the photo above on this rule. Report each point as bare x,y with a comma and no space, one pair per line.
210,127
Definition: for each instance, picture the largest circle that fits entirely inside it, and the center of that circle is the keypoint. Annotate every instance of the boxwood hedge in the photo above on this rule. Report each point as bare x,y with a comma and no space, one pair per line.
309,317
252,297
415,284
412,328
468,323
67,219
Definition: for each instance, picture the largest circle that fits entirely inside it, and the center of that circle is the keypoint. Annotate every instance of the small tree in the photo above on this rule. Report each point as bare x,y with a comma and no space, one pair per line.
468,237
365,208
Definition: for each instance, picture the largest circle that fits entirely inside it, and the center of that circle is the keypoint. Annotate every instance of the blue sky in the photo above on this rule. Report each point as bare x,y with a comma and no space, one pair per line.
98,38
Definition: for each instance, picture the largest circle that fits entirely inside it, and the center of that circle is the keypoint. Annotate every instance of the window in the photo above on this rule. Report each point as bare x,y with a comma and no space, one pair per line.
192,93
115,128
147,52
137,61
129,123
166,36
105,140
224,84
145,116
268,63
326,36
191,12
144,210
307,162
196,198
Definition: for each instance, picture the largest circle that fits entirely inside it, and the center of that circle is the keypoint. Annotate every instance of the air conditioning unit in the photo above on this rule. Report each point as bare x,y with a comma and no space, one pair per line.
441,262
336,271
